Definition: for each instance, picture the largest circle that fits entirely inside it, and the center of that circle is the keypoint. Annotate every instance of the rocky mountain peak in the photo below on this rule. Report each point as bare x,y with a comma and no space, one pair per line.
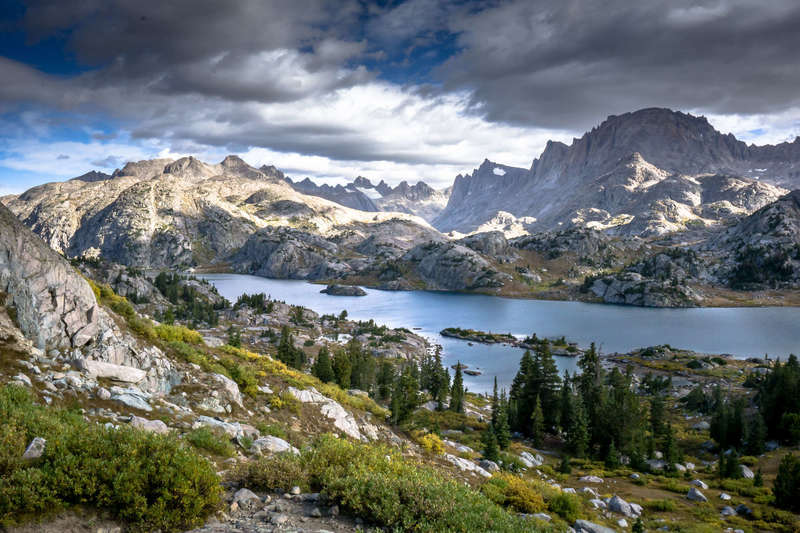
142,169
272,172
363,182
92,176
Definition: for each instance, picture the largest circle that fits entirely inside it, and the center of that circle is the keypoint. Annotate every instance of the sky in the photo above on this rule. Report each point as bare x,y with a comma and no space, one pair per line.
415,89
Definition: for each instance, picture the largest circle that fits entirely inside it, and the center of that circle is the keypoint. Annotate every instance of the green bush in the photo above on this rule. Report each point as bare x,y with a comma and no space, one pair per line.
567,506
375,482
150,481
212,441
512,491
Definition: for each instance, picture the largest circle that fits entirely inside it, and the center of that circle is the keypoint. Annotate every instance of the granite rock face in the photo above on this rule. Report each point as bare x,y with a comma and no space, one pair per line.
57,310
452,266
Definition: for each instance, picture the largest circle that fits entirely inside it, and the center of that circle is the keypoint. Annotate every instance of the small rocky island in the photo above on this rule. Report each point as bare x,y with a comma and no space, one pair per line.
335,289
557,346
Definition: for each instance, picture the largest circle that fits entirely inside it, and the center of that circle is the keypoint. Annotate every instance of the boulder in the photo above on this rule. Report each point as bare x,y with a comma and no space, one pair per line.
270,444
230,390
696,496
584,526
342,419
246,498
727,511
101,369
620,506
591,479
699,484
702,426
466,465
724,496
746,472
35,449
489,466
542,516
530,460
154,426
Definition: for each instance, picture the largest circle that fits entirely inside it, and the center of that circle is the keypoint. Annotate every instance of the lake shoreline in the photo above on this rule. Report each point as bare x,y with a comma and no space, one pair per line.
720,298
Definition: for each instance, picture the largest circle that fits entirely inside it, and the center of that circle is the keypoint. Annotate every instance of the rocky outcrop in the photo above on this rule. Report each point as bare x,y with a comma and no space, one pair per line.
58,311
343,290
763,250
631,288
451,266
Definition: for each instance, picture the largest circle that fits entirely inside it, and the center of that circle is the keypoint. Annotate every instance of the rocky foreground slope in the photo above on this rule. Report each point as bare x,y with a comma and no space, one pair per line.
650,172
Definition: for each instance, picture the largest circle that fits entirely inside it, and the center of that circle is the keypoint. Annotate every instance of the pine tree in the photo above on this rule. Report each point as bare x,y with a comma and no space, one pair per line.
342,367
457,391
787,484
550,386
565,404
288,353
756,435
386,377
612,456
669,450
323,367
537,424
758,479
234,337
657,416
405,397
490,446
502,430
578,432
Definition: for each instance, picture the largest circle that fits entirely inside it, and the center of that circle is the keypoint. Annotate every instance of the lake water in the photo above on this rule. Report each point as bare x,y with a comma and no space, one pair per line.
742,332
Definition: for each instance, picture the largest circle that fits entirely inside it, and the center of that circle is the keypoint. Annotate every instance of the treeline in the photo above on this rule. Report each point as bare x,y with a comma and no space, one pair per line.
584,410
189,303
260,303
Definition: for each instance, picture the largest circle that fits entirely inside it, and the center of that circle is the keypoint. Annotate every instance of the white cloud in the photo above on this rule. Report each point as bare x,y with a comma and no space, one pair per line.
761,128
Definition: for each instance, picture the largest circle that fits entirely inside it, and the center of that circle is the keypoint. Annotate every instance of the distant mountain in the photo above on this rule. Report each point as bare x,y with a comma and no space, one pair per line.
647,172
184,213
420,199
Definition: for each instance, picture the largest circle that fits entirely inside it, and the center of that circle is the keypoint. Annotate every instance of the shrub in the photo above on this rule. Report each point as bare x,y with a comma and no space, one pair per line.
212,441
179,334
151,481
431,443
377,483
567,506
272,429
512,491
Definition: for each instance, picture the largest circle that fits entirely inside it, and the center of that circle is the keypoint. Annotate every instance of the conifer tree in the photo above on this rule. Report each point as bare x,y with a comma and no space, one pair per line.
405,397
457,391
342,367
386,377
537,424
549,386
502,430
491,450
578,431
323,367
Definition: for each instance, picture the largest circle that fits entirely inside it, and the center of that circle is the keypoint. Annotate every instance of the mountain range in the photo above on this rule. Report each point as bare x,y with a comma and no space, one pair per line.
420,199
652,177
648,172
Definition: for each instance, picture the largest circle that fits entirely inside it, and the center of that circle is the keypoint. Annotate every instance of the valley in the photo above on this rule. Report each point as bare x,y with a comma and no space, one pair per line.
309,355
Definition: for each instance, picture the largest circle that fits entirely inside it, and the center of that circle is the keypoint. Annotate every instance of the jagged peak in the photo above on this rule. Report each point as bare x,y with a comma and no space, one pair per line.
363,182
233,161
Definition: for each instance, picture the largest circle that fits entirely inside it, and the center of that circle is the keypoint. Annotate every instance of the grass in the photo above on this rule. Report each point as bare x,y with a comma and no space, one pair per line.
149,481
376,483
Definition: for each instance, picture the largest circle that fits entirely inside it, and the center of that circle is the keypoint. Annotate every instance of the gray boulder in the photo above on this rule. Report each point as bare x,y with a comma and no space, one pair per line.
696,496
620,506
584,526
35,449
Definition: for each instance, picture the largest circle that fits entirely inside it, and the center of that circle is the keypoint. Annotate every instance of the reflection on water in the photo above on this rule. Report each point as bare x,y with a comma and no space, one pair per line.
742,332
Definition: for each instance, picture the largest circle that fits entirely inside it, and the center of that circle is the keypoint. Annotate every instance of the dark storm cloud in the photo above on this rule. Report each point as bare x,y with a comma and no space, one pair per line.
233,50
569,63
252,73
